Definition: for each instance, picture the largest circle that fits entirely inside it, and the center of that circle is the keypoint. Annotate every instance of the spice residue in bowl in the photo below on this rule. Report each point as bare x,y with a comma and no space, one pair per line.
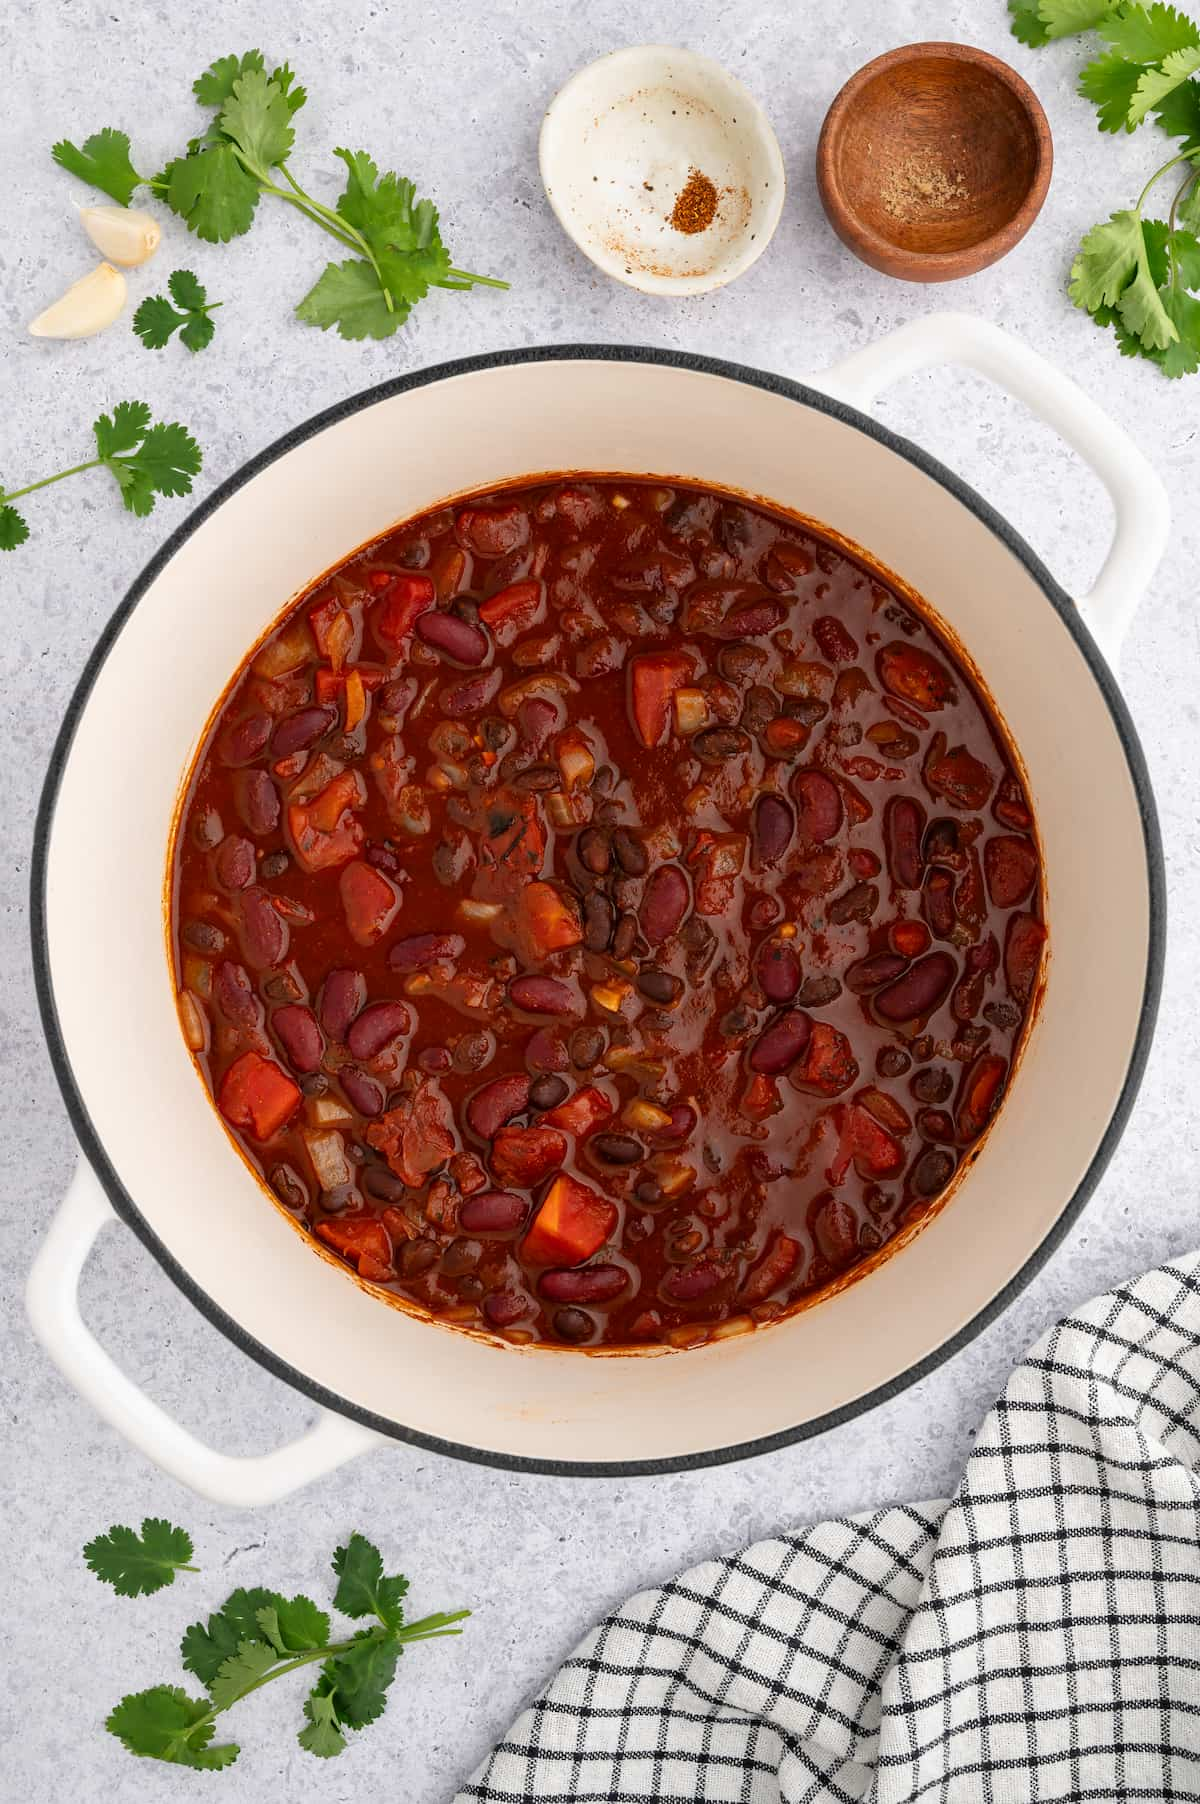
696,203
920,184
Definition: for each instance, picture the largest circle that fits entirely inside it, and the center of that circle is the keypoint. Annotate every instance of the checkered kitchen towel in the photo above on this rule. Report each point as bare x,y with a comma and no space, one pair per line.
1036,1638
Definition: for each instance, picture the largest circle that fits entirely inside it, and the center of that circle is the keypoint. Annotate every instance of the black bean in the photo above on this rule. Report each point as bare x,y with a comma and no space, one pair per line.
586,1047
417,1256
204,936
892,1061
381,1183
760,706
460,1257
631,853
598,918
624,937
818,992
314,1084
547,1092
934,1084
617,1149
573,1325
932,1171
659,985
473,1051
858,904
719,744
274,864
595,853
650,1192
287,1187
538,778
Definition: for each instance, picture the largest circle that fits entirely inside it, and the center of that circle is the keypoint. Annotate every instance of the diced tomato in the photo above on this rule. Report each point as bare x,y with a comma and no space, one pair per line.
513,611
1023,955
916,677
761,1098
414,1137
334,630
370,900
572,1224
329,684
524,1156
324,831
547,921
468,1173
828,1065
876,1153
257,1095
581,1112
363,1241
321,619
653,680
718,859
776,1265
513,848
964,780
399,608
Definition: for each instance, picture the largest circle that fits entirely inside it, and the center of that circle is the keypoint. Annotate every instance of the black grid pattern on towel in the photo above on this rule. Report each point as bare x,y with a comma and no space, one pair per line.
1036,1639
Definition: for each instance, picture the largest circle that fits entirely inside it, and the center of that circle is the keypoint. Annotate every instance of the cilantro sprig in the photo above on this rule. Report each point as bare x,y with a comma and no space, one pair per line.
138,1565
243,153
258,1636
157,319
1138,275
145,460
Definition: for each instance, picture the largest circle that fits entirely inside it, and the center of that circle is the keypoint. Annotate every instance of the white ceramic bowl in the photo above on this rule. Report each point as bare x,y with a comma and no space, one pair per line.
617,145
150,1133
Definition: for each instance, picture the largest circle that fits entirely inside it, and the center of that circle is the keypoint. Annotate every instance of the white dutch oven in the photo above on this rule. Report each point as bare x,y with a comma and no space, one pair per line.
129,1083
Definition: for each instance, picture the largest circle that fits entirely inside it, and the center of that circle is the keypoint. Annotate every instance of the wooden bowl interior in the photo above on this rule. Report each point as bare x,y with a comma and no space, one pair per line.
936,154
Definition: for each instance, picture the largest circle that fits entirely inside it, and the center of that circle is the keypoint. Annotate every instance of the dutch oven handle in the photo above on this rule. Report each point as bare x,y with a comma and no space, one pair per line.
1138,497
52,1299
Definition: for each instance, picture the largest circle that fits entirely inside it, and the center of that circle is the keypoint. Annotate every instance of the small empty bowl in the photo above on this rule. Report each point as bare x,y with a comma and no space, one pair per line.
650,135
934,161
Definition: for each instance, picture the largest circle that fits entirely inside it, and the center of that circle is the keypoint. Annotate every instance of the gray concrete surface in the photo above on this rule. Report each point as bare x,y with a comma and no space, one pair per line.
453,95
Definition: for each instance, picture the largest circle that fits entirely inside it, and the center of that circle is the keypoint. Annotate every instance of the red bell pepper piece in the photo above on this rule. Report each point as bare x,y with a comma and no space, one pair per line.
547,921
513,610
399,608
257,1095
324,831
524,1156
363,1241
572,1224
581,1112
370,901
653,680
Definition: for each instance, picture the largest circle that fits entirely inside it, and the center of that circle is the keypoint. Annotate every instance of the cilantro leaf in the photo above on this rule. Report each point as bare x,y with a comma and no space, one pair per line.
362,1588
164,1723
257,118
163,464
139,1565
102,160
1155,84
358,1680
13,530
1181,358
1106,261
215,86
1142,310
1027,23
1067,18
1111,83
401,231
122,432
235,1675
156,320
294,1625
349,296
212,193
206,1645
1189,209
322,1737
284,80
1184,251
1145,34
1179,114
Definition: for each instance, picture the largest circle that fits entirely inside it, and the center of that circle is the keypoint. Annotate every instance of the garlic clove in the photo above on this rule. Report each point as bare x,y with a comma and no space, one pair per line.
123,234
87,307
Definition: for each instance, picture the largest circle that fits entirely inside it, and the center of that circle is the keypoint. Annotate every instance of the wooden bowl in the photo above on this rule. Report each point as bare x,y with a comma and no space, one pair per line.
934,161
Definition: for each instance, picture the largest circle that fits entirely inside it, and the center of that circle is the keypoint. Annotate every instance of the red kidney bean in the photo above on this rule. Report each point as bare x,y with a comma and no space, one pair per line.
543,996
835,643
587,1284
688,1283
234,995
300,1036
937,902
544,1051
460,699
264,932
496,1103
342,996
818,804
774,824
363,1094
835,1229
504,1307
397,697
750,620
778,971
242,741
233,863
421,949
919,991
435,1058
493,531
461,640
903,826
1011,866
683,1121
872,972
296,732
537,718
257,801
664,903
492,1212
781,1044
378,1025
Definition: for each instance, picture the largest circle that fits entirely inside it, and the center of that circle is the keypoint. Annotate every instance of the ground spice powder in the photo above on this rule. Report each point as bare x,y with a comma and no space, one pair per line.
696,204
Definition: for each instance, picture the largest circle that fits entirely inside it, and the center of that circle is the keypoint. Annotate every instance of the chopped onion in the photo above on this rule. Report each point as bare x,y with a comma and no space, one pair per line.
286,651
479,911
195,1021
691,710
327,1150
323,1111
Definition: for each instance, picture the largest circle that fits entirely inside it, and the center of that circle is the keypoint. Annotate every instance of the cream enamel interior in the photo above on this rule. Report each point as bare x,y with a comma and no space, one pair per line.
105,862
